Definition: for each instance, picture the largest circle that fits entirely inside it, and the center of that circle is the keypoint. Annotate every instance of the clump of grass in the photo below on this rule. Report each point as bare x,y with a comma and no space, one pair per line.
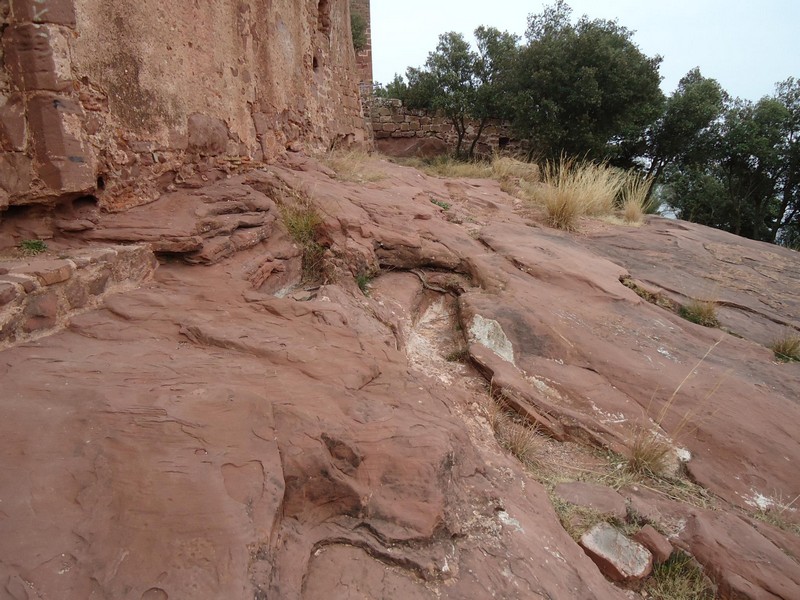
777,513
576,520
650,454
519,438
32,247
447,166
633,197
702,312
506,168
787,349
680,577
363,280
577,188
302,221
440,203
352,165
656,298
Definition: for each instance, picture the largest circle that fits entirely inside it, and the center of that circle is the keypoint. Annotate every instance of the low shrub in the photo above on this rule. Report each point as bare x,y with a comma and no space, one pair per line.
32,247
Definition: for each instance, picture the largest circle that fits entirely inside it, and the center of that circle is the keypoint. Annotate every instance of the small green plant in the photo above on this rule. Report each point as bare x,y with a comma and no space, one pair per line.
702,312
363,280
576,520
787,349
440,203
680,577
32,247
302,221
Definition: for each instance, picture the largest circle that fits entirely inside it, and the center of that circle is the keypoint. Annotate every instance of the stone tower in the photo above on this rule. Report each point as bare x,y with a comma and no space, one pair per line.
364,56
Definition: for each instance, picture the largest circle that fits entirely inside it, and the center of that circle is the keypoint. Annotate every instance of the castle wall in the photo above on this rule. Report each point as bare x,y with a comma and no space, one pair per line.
123,99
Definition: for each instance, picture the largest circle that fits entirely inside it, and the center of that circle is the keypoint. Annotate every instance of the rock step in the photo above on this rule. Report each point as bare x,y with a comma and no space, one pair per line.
38,295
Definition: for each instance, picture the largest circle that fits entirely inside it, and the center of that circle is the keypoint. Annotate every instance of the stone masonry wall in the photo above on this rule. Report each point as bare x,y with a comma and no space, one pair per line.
121,100
391,120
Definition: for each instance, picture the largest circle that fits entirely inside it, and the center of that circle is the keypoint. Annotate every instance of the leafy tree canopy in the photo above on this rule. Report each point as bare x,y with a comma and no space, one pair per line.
583,88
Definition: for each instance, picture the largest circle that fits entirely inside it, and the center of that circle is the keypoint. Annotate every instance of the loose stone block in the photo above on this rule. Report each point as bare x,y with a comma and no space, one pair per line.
41,312
658,545
618,557
8,293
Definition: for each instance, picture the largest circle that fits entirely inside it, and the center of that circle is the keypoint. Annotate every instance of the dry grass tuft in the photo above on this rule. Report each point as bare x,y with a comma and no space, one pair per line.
577,188
520,439
702,312
679,578
633,197
302,221
781,514
787,349
651,455
507,168
352,165
576,520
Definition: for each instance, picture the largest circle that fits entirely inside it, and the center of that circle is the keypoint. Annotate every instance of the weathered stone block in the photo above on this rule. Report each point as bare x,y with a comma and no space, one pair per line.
207,135
96,284
8,293
28,283
16,172
618,557
60,12
41,312
12,124
66,162
658,545
76,294
38,57
48,272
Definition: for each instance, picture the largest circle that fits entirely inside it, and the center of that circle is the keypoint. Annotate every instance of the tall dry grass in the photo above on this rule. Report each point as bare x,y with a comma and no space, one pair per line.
576,188
352,165
633,197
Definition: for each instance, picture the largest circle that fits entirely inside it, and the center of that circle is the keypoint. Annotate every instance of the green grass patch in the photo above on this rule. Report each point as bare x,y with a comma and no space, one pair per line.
32,247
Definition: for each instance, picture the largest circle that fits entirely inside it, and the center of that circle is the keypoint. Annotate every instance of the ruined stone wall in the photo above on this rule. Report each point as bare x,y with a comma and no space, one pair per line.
124,99
391,120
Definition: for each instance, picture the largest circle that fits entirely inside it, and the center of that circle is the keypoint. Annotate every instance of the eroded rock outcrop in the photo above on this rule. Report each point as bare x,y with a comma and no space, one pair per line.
215,434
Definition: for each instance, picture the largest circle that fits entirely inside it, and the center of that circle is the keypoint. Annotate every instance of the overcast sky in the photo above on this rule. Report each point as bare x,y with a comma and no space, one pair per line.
746,45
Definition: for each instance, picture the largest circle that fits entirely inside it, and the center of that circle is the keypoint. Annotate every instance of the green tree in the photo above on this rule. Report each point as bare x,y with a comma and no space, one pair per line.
685,129
748,182
447,83
497,52
583,89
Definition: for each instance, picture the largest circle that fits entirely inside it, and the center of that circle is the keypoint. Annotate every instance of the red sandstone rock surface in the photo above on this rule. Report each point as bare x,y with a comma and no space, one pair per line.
226,432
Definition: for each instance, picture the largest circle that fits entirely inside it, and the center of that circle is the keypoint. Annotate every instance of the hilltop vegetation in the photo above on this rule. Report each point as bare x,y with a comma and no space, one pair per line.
583,88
